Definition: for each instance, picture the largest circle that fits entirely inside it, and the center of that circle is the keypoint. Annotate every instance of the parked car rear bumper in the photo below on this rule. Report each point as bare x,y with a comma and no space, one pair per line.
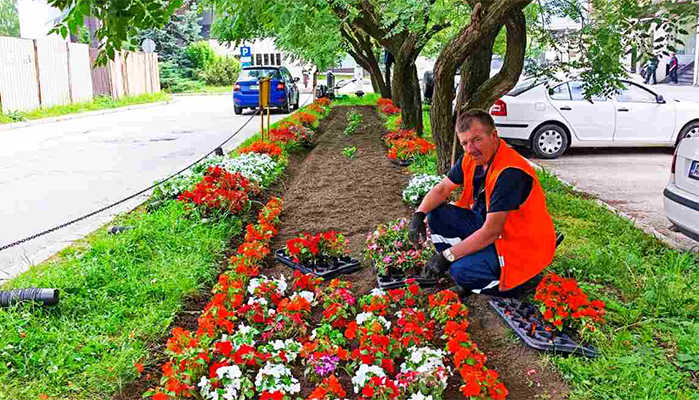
682,209
253,100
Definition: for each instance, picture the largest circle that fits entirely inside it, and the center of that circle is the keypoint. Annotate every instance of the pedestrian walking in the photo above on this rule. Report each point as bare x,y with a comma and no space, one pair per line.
652,68
673,65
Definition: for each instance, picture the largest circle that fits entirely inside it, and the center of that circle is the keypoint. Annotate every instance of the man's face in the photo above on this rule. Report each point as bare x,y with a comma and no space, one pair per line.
479,142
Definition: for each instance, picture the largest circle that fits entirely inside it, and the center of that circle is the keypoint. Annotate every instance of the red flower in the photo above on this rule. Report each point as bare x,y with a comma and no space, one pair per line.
276,395
139,367
387,364
160,396
225,347
368,391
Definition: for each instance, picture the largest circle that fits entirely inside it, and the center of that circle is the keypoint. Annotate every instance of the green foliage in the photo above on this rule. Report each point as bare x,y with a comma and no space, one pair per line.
354,119
369,99
174,80
118,293
172,39
349,152
221,72
200,54
9,18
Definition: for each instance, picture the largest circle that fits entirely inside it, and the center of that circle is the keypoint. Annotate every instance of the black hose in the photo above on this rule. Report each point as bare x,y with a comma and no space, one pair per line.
48,297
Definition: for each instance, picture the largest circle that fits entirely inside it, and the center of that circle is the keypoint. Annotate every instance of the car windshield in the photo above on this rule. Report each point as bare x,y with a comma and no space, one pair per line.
254,74
523,86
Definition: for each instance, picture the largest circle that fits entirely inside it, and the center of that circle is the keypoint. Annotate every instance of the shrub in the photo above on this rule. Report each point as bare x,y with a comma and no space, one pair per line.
174,79
201,54
222,71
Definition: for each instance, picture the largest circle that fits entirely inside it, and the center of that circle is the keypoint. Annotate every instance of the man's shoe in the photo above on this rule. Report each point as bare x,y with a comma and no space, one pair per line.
460,291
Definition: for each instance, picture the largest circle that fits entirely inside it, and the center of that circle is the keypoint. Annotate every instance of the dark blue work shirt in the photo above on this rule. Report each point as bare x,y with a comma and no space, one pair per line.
511,189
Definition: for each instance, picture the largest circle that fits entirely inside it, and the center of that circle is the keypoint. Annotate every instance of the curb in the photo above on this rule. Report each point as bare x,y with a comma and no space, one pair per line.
199,94
638,224
43,121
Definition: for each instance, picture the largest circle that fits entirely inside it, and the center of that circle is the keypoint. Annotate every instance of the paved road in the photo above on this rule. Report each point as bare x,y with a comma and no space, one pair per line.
50,174
631,180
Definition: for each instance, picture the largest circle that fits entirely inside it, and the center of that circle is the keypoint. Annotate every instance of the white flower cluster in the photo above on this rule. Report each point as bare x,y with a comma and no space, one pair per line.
367,316
364,374
276,377
309,296
255,167
259,168
290,347
230,378
427,361
419,396
419,186
256,282
244,335
376,292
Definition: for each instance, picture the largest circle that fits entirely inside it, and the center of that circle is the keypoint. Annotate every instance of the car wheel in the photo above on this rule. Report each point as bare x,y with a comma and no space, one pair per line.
287,106
549,142
296,105
237,110
691,130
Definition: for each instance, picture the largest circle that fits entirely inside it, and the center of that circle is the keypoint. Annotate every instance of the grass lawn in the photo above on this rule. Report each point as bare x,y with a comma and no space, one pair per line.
99,103
118,294
218,89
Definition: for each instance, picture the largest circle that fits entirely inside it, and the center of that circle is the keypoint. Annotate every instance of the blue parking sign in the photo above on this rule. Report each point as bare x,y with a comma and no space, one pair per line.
245,51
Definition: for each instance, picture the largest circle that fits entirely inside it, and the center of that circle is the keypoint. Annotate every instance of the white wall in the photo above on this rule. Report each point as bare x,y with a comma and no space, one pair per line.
37,18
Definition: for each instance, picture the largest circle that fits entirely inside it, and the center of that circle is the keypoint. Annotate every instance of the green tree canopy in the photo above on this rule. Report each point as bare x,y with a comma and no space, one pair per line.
9,19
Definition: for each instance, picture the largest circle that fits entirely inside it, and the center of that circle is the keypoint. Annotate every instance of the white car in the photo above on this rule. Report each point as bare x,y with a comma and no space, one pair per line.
681,195
549,120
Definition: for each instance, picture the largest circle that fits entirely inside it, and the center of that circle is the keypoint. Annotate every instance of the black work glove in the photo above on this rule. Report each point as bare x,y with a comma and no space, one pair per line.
417,231
437,265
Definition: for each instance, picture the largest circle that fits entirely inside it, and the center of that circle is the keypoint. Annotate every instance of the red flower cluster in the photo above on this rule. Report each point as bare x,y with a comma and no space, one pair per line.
379,388
284,135
323,102
330,388
564,304
189,353
412,328
399,134
220,190
384,102
304,118
308,248
405,149
261,147
468,360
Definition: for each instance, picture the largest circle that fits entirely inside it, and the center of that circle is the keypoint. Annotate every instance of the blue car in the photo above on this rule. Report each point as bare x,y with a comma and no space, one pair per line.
284,93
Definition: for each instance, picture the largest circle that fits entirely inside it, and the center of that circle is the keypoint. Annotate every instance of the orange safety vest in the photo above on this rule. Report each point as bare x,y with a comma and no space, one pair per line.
528,240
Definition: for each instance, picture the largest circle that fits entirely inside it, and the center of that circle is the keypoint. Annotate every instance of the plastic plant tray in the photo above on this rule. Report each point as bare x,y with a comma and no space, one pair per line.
524,319
340,266
401,163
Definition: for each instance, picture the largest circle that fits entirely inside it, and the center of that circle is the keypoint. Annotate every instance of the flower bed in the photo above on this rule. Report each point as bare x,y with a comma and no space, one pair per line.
387,107
323,254
394,258
404,150
258,333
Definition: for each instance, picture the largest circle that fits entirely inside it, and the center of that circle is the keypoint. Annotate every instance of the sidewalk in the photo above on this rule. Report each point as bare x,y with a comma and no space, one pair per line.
688,93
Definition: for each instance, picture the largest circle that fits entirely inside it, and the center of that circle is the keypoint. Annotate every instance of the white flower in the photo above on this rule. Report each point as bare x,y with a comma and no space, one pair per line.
419,396
309,296
364,373
276,377
376,292
366,316
257,300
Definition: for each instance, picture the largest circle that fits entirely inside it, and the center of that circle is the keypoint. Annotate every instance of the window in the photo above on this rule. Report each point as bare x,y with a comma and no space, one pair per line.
521,87
635,94
560,92
577,92
266,57
279,59
252,74
259,59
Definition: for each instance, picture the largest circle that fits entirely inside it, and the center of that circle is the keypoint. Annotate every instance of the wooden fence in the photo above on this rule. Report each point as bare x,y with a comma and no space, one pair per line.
47,72
130,74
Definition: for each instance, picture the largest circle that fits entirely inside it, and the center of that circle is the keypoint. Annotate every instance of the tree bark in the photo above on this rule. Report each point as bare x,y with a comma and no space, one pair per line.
363,53
477,90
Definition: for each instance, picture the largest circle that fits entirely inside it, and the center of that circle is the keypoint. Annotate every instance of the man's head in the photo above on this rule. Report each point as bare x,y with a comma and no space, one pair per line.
477,135
673,54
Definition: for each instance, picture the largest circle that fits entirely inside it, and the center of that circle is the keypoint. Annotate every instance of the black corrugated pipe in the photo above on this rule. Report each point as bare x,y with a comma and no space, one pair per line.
48,297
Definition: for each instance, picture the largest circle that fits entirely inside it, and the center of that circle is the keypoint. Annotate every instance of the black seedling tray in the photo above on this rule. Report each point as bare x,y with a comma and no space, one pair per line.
400,163
398,281
521,316
340,266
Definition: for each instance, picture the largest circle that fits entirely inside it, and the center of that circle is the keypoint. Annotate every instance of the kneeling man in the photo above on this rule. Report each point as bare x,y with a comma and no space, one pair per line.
499,234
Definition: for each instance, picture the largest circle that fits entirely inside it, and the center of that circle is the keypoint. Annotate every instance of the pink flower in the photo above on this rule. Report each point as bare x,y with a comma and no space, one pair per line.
399,244
387,259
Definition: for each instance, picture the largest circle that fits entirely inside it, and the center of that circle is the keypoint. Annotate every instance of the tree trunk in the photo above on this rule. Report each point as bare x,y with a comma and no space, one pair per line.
396,85
477,89
374,85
